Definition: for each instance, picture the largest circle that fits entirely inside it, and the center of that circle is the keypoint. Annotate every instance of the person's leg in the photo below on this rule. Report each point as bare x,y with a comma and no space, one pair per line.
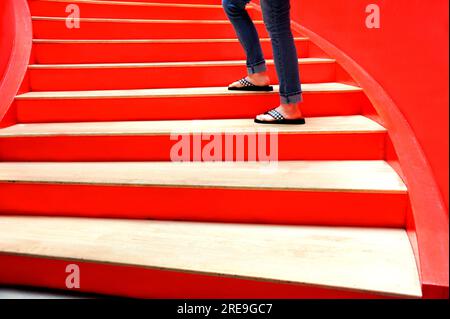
249,39
277,19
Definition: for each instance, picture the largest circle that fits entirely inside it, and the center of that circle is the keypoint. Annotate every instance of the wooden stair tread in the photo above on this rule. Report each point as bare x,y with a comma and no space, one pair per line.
128,41
141,3
365,259
178,92
375,260
317,125
330,176
147,21
165,64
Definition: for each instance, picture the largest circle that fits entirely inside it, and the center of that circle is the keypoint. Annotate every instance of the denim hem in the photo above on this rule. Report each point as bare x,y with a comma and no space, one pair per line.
292,99
258,68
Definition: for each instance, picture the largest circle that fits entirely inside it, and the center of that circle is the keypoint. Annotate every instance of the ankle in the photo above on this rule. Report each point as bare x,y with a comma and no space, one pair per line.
292,108
259,75
260,78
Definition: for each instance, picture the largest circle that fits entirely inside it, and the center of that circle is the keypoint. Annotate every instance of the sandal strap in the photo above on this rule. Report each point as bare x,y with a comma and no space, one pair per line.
276,115
245,82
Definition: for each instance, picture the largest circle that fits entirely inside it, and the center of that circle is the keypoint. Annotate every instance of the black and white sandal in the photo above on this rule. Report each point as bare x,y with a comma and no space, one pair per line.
249,86
280,119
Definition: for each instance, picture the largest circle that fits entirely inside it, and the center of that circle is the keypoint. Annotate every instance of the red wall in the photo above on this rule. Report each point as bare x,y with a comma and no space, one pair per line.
407,56
403,67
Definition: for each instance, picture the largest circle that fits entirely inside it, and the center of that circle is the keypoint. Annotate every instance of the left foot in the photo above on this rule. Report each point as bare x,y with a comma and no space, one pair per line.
258,79
288,111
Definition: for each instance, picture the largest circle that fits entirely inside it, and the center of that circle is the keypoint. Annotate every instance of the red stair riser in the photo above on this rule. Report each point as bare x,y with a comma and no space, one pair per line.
332,207
138,282
157,52
159,77
158,147
89,10
205,204
114,30
180,108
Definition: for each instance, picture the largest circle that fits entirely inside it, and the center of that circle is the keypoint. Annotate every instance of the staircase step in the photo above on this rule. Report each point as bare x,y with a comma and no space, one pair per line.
50,51
350,137
205,190
325,125
132,9
116,76
320,99
96,141
359,260
211,2
108,28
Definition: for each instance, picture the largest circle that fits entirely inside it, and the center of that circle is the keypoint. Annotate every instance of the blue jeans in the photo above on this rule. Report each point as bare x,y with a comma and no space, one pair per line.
276,15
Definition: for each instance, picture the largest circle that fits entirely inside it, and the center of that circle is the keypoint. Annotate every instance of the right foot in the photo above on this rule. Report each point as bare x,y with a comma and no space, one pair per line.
286,111
258,79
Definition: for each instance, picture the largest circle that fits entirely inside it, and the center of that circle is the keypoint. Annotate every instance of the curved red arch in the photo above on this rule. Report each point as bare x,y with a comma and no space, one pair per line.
429,223
14,58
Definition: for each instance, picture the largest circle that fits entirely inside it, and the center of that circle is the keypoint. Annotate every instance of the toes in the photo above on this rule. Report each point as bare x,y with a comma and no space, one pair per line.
265,118
234,84
268,118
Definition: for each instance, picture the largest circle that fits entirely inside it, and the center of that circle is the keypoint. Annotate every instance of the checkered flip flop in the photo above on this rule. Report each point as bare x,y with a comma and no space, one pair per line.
280,119
249,86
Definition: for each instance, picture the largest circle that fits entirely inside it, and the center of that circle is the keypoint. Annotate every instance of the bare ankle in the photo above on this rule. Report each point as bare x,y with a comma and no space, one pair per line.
291,106
261,78
292,109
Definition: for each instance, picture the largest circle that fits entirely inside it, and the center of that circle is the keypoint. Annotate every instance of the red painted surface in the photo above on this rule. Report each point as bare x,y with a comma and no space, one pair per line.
417,58
216,2
104,78
392,64
403,68
15,44
54,53
135,30
315,146
205,204
104,279
89,10
181,108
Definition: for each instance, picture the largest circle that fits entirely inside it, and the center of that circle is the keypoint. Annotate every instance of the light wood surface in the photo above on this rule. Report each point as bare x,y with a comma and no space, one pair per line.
333,176
316,125
166,64
149,21
141,4
145,41
178,92
364,259
374,260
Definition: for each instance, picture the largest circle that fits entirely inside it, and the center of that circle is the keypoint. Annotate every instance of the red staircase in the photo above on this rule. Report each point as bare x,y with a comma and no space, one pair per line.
93,141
